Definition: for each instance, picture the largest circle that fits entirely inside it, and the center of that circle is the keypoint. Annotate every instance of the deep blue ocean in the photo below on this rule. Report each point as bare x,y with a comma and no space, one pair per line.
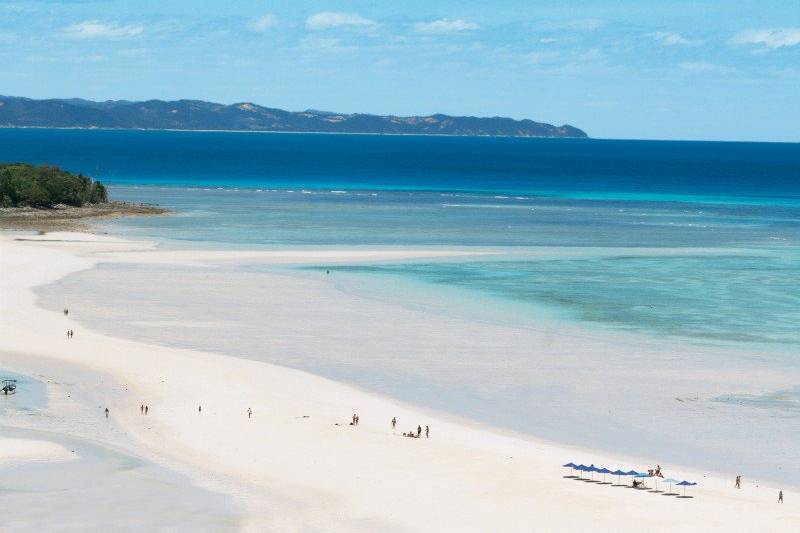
728,213
573,168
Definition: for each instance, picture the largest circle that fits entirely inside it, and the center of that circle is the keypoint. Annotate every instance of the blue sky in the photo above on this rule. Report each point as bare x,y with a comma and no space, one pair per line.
623,69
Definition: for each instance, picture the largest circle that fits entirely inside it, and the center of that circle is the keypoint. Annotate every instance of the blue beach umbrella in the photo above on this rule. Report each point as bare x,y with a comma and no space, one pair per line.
631,473
685,484
619,474
669,481
581,468
604,471
570,465
642,476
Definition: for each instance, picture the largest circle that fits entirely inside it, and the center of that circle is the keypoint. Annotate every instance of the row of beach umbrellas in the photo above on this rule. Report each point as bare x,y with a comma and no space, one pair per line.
591,469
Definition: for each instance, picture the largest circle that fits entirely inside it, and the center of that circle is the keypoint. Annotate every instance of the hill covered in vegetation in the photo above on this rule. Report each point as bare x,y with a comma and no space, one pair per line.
26,185
20,112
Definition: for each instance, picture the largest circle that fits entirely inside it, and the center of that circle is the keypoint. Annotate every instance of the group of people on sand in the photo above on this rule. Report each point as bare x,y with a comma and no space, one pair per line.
655,472
70,333
143,409
418,434
738,485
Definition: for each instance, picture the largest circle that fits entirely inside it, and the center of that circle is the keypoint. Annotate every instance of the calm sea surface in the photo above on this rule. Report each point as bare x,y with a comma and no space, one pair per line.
729,211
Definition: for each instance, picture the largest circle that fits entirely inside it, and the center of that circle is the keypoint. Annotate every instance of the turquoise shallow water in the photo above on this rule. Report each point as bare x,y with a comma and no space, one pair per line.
724,273
738,202
31,393
692,247
748,297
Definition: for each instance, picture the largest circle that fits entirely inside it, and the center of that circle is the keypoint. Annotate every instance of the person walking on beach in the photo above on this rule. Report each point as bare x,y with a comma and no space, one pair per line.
358,419
780,496
106,412
146,408
394,422
199,408
66,311
738,481
419,431
141,409
427,432
249,412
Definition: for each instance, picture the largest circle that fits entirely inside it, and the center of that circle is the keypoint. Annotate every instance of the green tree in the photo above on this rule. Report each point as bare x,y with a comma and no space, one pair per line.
23,184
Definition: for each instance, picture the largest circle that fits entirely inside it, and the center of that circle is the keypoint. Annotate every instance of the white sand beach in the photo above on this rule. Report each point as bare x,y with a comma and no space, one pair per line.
296,464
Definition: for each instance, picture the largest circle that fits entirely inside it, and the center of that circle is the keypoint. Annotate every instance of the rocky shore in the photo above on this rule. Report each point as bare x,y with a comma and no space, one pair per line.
68,218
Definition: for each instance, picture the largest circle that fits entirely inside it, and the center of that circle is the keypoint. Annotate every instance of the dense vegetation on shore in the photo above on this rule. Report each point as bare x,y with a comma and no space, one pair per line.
16,112
26,185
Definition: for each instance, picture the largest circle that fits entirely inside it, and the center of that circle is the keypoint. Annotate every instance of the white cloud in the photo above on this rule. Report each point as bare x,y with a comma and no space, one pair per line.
92,29
264,22
334,19
671,38
445,25
771,38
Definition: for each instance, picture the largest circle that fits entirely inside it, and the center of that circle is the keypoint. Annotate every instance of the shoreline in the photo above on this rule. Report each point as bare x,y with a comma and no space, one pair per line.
69,218
354,472
307,132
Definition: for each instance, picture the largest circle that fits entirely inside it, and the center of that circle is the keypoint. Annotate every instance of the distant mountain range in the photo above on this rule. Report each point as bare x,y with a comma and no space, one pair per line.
20,112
